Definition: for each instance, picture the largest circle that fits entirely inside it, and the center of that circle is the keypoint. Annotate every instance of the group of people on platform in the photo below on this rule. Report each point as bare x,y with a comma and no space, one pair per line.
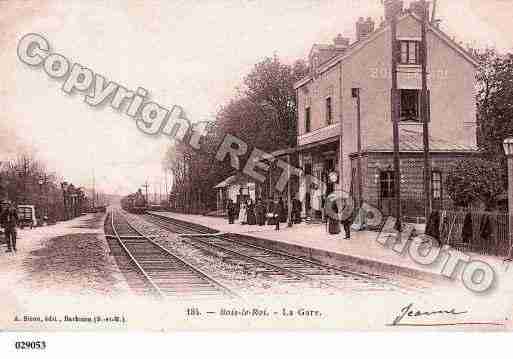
260,212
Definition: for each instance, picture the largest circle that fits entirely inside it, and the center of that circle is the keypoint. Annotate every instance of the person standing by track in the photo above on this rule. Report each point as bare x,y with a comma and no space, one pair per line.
231,211
279,212
243,213
9,219
251,213
346,214
260,212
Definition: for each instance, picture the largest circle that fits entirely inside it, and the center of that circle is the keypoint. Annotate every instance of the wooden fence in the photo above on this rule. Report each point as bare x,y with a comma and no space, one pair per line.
491,239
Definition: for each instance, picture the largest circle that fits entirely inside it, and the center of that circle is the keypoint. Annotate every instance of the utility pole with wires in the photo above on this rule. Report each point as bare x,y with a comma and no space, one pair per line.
425,113
94,190
434,20
395,125
145,186
165,189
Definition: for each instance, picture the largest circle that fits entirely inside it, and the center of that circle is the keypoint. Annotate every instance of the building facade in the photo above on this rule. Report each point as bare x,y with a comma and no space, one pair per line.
341,75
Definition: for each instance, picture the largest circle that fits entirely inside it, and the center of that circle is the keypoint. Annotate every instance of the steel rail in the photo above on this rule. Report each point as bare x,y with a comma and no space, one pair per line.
265,263
270,251
132,258
164,222
188,265
341,271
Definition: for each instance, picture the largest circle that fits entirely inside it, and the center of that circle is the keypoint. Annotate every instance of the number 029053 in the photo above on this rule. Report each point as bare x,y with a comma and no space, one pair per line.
30,345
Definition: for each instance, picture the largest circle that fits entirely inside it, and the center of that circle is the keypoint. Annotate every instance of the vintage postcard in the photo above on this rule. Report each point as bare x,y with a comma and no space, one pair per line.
248,165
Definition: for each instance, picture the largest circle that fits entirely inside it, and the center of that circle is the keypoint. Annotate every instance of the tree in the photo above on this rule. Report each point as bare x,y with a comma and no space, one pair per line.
270,86
262,115
196,172
494,101
266,104
26,180
476,180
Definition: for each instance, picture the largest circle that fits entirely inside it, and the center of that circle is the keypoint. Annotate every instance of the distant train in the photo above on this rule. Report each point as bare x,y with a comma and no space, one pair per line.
134,203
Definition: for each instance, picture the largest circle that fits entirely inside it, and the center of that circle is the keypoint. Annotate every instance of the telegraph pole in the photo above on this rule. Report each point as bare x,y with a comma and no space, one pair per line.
165,184
94,190
395,125
289,194
425,114
433,14
145,185
356,94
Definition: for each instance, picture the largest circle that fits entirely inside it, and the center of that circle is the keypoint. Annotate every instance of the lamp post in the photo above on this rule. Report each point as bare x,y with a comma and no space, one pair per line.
290,222
508,150
64,187
40,182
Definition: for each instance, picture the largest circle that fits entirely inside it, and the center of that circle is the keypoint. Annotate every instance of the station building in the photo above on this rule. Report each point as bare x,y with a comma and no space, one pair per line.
327,112
236,188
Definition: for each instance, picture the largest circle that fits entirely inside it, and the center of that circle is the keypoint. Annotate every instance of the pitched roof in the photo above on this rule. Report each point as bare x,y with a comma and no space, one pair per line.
325,52
238,178
228,181
411,141
356,46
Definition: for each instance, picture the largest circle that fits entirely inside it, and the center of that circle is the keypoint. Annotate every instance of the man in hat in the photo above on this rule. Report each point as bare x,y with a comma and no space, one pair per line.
231,211
9,219
346,213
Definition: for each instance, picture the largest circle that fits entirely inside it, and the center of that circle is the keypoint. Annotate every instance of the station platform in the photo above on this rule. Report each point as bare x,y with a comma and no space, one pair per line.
313,241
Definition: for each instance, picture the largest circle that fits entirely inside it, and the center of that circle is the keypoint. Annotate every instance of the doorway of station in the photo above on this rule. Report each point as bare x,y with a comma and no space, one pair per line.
329,166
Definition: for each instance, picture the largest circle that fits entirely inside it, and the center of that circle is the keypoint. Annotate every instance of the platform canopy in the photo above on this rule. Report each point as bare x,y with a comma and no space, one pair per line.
227,182
240,179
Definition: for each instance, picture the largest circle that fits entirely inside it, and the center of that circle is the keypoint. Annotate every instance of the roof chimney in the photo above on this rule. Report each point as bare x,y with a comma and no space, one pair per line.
341,42
370,25
364,28
392,8
416,8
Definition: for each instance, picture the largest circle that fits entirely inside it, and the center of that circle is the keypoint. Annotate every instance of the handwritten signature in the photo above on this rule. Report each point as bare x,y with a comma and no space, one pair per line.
410,312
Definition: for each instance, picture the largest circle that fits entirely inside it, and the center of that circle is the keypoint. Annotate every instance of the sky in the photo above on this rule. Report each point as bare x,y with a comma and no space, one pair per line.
188,53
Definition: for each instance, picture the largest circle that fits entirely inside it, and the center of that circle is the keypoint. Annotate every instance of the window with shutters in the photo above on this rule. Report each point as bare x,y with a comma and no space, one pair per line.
409,52
410,105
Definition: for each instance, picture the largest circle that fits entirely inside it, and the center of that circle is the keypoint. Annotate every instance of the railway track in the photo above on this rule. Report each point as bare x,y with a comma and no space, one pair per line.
161,272
274,263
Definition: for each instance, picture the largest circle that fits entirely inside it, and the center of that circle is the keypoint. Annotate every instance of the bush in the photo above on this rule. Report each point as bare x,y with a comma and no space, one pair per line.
476,180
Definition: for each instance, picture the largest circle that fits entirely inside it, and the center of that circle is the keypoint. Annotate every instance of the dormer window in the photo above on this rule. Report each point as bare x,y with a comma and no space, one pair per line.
409,53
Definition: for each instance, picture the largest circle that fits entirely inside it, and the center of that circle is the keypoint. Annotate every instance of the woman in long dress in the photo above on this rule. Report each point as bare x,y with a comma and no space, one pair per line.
282,211
251,213
243,214
271,219
260,212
